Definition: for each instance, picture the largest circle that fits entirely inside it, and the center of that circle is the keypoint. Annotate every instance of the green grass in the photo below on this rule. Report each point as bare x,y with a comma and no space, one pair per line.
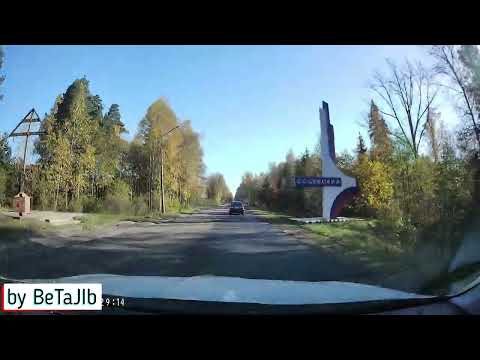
96,220
362,240
355,236
273,217
188,211
19,230
93,221
358,240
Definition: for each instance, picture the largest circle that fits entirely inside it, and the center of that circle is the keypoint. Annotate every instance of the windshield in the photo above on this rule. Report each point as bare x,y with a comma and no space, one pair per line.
353,168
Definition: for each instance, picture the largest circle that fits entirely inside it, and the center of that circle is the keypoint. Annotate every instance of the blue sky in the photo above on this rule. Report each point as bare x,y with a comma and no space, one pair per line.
251,104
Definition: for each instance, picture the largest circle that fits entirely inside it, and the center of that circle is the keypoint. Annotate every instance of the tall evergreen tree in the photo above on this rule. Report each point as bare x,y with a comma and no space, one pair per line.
112,120
361,148
69,142
95,108
2,77
110,150
381,144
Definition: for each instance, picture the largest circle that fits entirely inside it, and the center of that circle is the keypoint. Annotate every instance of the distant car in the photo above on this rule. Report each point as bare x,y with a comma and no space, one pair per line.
236,207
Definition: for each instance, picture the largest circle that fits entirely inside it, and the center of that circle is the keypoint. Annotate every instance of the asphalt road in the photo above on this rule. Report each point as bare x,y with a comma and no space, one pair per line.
206,243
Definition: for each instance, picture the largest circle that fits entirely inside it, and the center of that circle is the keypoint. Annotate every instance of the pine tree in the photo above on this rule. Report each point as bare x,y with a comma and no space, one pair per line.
112,120
69,125
79,129
381,145
361,148
2,77
95,108
110,150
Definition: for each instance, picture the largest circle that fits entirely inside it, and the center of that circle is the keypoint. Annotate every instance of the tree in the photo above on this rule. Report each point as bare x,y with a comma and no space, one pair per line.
381,144
287,170
162,151
190,165
5,151
69,146
112,120
432,134
5,167
58,171
95,108
461,66
345,162
407,93
376,185
84,159
361,149
455,188
2,77
134,167
79,129
217,189
110,148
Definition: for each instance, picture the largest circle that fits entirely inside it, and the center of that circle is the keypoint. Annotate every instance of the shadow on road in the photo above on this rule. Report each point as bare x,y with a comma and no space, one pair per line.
245,248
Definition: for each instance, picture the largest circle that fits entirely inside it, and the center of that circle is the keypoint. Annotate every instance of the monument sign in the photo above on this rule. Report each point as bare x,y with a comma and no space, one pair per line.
338,188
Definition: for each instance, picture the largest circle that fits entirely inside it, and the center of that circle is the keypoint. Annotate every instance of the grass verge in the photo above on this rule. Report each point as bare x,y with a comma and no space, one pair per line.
359,239
18,230
92,221
273,217
366,242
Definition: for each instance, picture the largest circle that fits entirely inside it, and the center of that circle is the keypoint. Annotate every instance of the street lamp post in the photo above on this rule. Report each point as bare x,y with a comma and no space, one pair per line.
162,194
161,180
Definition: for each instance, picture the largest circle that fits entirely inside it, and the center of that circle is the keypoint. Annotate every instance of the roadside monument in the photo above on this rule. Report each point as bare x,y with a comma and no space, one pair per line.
338,188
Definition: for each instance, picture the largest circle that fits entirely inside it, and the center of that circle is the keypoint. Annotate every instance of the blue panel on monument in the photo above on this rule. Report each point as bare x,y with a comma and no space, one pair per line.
317,181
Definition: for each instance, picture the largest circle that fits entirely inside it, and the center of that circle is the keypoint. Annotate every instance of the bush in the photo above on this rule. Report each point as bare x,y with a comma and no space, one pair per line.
120,188
91,205
391,217
117,200
408,235
139,206
3,187
76,205
116,204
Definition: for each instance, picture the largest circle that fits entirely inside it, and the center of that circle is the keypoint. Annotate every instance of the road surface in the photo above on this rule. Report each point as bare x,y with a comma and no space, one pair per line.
209,242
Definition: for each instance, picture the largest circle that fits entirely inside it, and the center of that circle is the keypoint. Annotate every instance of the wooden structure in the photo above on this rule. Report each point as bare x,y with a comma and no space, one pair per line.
30,118
21,203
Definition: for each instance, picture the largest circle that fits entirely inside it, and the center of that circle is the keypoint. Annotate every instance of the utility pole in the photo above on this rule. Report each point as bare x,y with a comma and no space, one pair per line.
161,180
31,117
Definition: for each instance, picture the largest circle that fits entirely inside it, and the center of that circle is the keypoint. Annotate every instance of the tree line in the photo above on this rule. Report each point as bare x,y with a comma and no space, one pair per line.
417,176
85,164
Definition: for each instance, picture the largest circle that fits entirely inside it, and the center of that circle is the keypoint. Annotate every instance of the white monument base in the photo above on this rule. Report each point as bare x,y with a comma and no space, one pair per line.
319,220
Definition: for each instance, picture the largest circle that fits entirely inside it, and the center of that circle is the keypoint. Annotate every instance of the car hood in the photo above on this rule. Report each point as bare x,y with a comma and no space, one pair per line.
237,290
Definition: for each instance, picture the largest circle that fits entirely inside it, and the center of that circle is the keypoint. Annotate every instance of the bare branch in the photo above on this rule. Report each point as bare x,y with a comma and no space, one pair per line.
384,113
404,94
387,98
